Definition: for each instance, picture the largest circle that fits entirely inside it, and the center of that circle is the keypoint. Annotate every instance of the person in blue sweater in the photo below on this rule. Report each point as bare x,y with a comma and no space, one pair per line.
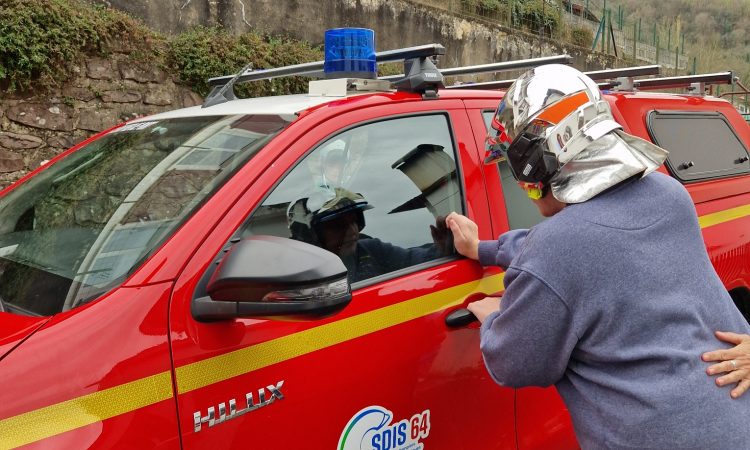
613,297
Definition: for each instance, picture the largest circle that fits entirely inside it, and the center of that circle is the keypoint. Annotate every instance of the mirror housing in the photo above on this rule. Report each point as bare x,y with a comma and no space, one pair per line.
272,276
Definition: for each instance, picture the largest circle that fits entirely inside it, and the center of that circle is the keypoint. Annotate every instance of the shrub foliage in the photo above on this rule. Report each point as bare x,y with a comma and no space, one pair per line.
42,40
202,53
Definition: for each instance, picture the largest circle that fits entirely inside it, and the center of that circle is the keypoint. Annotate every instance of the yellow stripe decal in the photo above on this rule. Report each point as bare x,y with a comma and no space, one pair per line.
68,415
219,368
724,216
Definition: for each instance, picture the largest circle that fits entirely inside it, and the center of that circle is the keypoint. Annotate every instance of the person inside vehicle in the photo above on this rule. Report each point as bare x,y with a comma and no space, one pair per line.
613,296
334,219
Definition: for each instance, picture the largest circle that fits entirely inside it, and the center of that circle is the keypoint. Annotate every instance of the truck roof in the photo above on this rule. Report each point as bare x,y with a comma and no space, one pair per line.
280,105
294,104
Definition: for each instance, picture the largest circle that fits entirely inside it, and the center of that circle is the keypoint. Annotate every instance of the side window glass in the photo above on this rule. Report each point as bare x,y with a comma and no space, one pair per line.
701,145
376,195
521,211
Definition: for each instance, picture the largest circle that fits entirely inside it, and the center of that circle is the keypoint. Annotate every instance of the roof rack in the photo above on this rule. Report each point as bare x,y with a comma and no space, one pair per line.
621,74
417,64
223,86
315,69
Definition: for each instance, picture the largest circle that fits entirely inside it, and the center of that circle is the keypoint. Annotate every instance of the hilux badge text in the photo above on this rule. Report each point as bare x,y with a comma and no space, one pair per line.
212,419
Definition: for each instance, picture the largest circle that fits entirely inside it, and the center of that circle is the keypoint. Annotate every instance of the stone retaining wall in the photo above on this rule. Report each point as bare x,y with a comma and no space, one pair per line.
104,92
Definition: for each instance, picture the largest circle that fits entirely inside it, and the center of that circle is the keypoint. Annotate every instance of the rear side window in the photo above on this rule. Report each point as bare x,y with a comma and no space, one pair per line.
701,145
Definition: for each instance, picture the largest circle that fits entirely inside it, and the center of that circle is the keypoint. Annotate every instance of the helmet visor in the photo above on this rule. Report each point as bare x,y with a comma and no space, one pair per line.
499,136
526,159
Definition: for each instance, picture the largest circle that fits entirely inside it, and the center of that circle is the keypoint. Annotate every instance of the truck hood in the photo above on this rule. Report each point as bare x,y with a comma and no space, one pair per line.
14,329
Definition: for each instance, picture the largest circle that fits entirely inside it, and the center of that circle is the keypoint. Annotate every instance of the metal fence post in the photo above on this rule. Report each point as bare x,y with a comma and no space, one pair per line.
669,36
604,28
639,28
682,43
657,49
609,24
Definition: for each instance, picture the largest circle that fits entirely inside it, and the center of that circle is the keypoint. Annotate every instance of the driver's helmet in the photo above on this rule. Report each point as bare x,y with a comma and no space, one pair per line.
545,126
306,215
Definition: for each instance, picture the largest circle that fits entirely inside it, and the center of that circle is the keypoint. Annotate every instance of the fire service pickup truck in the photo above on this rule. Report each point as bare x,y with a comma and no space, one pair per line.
274,273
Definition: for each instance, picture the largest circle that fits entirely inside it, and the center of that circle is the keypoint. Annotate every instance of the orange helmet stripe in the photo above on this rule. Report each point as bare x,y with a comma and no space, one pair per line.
557,111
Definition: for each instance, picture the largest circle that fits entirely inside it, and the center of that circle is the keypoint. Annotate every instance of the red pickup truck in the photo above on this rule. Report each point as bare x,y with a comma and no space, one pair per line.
158,291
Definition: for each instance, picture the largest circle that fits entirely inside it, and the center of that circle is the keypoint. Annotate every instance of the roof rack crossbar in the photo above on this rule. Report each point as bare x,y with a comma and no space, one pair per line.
315,69
507,65
638,71
595,75
496,67
682,81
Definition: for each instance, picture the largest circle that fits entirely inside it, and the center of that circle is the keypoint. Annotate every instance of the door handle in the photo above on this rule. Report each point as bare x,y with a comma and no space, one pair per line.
460,318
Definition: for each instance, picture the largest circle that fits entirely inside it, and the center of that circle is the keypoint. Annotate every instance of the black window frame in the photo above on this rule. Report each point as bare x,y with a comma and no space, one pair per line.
728,172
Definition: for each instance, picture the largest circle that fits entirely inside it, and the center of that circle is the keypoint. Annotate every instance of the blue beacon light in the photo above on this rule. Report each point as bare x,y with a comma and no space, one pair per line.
350,53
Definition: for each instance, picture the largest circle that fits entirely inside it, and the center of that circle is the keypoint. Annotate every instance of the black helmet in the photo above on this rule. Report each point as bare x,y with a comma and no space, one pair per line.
306,215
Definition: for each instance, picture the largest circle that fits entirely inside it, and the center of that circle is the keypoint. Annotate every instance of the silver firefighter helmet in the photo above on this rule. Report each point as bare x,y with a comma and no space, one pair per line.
555,129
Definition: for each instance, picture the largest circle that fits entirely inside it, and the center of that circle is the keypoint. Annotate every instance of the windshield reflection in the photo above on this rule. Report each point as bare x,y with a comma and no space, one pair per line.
84,224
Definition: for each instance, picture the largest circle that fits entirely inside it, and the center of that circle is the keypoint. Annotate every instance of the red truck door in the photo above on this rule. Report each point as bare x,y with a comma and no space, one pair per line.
386,372
542,420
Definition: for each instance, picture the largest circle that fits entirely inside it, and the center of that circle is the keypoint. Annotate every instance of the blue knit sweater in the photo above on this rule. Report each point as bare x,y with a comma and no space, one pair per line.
613,301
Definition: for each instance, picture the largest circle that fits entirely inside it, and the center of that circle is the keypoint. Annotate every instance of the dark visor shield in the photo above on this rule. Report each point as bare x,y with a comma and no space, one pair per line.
528,161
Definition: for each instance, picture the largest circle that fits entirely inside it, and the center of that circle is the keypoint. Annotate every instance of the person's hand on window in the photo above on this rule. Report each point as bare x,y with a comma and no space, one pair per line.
465,235
734,362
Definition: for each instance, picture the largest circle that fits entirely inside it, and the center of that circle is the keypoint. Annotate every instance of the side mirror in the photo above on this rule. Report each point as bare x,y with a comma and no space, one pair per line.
273,276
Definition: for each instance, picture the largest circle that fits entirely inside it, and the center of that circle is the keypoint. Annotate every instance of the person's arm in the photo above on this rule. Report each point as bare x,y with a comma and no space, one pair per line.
734,362
502,251
529,340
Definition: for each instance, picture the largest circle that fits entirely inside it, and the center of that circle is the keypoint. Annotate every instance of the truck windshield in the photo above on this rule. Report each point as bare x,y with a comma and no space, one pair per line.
81,226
